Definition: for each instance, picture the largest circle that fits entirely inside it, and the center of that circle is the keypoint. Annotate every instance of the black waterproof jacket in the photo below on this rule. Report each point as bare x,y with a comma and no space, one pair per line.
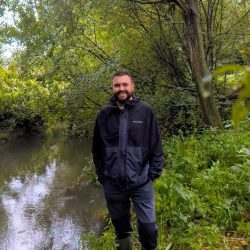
127,144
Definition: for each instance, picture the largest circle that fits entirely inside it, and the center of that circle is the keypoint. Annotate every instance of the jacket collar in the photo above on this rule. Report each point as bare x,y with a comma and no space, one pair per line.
128,103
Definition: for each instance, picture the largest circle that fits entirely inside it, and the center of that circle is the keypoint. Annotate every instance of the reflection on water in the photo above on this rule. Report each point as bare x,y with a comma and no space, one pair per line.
35,211
21,204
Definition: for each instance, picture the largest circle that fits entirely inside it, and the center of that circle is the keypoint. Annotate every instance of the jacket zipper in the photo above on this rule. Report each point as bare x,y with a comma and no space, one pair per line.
123,141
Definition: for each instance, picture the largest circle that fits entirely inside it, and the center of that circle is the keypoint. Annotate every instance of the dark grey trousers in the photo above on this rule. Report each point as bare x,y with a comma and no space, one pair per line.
119,202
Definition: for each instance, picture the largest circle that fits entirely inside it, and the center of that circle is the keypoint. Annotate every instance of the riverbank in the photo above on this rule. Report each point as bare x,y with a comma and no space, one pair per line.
9,135
202,197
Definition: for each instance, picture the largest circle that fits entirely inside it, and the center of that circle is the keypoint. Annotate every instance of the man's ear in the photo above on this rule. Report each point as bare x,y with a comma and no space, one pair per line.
133,86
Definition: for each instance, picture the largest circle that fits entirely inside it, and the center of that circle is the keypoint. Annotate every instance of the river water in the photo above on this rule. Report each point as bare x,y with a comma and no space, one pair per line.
36,209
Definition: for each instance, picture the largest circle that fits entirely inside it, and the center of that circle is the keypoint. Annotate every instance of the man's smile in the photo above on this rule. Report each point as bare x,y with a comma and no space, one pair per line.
123,95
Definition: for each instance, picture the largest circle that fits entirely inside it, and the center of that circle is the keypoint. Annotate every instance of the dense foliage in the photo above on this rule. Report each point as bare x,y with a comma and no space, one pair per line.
71,48
26,104
202,198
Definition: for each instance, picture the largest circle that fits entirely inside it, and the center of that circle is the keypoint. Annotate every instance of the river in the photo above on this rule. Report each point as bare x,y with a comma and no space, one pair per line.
36,209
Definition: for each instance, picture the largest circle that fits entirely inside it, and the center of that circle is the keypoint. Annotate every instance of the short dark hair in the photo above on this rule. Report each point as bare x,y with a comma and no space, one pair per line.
123,72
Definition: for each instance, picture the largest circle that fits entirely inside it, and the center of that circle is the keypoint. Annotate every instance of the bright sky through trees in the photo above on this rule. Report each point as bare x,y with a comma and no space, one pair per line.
7,49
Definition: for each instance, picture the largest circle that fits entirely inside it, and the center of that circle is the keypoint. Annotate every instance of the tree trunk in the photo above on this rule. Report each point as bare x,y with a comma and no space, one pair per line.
200,73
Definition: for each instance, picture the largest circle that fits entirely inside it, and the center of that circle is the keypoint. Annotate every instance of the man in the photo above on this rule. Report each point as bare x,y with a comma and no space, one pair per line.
128,156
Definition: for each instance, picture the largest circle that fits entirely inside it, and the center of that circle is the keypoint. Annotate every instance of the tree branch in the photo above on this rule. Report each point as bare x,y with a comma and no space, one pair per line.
232,95
150,2
180,3
227,31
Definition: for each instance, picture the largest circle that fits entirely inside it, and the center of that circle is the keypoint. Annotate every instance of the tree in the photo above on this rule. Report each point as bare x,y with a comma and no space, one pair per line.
196,56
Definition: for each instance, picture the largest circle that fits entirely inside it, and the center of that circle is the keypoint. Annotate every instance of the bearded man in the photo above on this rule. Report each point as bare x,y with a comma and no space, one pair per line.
128,157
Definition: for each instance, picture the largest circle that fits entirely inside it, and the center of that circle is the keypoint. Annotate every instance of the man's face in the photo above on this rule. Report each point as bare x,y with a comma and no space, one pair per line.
122,87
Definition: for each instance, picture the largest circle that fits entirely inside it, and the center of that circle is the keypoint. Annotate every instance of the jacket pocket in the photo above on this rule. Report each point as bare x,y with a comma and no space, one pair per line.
134,160
111,161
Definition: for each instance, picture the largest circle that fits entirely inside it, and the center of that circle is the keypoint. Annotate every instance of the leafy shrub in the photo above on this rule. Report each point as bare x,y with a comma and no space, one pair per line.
205,193
26,103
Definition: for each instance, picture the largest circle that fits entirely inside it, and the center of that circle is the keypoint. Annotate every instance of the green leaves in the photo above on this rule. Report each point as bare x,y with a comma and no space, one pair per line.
26,99
241,107
205,193
227,69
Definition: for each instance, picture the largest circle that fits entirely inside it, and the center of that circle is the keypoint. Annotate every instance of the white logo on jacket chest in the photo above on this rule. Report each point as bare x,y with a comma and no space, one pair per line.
138,122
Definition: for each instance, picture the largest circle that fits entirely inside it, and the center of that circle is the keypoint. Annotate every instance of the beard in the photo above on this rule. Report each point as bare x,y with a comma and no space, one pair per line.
122,101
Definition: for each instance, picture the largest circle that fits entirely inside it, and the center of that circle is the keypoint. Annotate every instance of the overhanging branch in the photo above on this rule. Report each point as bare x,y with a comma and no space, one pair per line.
150,2
180,3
